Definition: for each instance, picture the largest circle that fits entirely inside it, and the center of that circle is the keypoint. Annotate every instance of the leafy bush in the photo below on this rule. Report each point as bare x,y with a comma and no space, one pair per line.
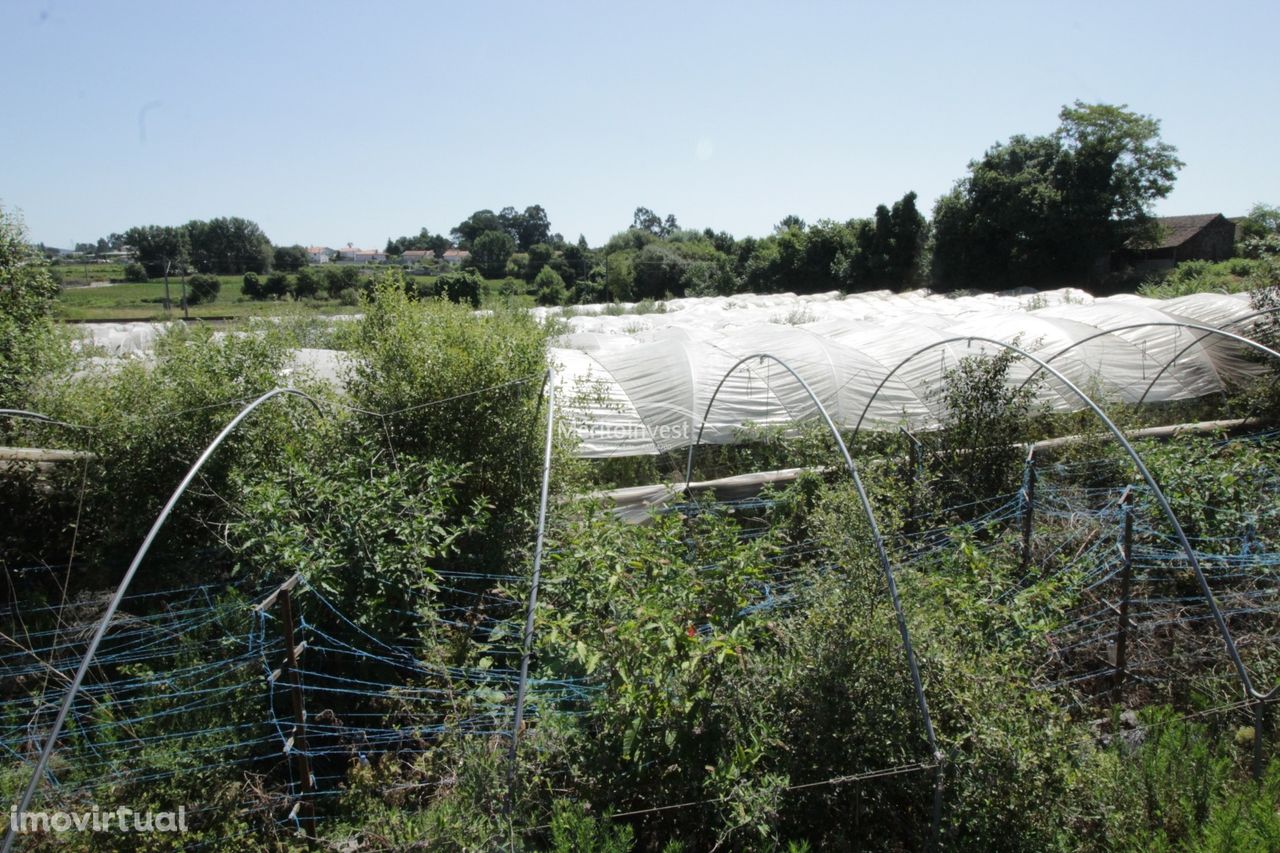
277,286
26,298
462,287
339,278
987,414
251,286
549,288
135,272
203,288
409,354
307,283
148,423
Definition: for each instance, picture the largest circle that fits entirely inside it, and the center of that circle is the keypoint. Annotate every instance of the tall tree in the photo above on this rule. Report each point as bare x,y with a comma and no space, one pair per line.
1045,209
532,227
466,231
490,252
159,247
229,245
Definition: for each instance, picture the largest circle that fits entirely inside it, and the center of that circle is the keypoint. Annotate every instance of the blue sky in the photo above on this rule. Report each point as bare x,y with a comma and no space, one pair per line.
335,123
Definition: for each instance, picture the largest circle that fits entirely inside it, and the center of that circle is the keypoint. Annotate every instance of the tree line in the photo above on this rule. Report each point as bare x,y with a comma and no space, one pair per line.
1031,211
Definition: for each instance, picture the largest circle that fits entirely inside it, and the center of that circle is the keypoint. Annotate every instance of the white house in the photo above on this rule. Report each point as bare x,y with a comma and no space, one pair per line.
456,256
352,255
319,254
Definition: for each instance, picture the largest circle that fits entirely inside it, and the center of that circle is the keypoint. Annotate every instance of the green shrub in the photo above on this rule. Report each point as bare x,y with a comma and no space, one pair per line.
27,292
409,354
251,286
135,272
203,288
307,283
549,288
277,286
462,287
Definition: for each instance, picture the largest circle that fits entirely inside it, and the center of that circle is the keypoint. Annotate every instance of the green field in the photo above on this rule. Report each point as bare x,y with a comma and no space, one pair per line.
122,300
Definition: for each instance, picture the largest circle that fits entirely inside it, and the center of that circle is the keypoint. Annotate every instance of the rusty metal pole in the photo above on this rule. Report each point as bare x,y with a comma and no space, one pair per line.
1126,582
1028,504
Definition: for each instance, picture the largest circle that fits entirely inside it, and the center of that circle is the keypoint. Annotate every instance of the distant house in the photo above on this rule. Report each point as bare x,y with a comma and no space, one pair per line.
351,255
1207,237
456,256
417,256
319,254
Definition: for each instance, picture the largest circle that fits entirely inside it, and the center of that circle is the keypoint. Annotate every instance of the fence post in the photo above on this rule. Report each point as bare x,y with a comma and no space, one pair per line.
1259,729
1126,582
1028,504
915,462
297,744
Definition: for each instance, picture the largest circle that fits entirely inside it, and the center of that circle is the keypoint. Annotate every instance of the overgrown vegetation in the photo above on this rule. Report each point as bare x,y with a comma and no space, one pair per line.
729,674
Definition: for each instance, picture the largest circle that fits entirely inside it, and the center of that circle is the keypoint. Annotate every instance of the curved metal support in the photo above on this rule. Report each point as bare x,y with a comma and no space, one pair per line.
549,389
1171,362
1208,330
1245,680
903,631
23,414
105,622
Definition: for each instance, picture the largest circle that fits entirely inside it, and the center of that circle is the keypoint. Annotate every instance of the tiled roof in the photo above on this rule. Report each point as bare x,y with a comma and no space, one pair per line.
1176,230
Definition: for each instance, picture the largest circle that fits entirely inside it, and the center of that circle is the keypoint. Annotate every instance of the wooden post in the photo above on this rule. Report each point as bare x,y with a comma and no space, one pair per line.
1126,581
297,743
1028,504
915,461
1259,728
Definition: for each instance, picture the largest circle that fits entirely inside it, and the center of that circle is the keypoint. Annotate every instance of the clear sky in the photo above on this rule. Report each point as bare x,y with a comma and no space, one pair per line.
335,123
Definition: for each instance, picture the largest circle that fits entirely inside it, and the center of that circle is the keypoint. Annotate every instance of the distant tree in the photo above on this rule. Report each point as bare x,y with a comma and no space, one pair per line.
532,227
549,288
540,255
307,283
289,258
645,219
463,287
251,286
490,252
341,278
1043,209
659,272
135,272
159,248
480,222
229,246
203,288
277,286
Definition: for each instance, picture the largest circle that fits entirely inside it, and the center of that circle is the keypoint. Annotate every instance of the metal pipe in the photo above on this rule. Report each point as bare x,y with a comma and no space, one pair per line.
1219,620
522,686
903,631
105,622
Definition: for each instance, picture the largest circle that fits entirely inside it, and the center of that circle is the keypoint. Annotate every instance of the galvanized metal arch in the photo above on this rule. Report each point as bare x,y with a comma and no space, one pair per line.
1208,330
24,415
1180,352
1242,671
549,390
105,622
903,631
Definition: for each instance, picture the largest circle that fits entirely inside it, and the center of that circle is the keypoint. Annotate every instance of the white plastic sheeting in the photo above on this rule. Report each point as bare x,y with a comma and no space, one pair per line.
637,384
634,384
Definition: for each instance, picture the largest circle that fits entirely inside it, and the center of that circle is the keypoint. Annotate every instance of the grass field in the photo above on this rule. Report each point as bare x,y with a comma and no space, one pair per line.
121,300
